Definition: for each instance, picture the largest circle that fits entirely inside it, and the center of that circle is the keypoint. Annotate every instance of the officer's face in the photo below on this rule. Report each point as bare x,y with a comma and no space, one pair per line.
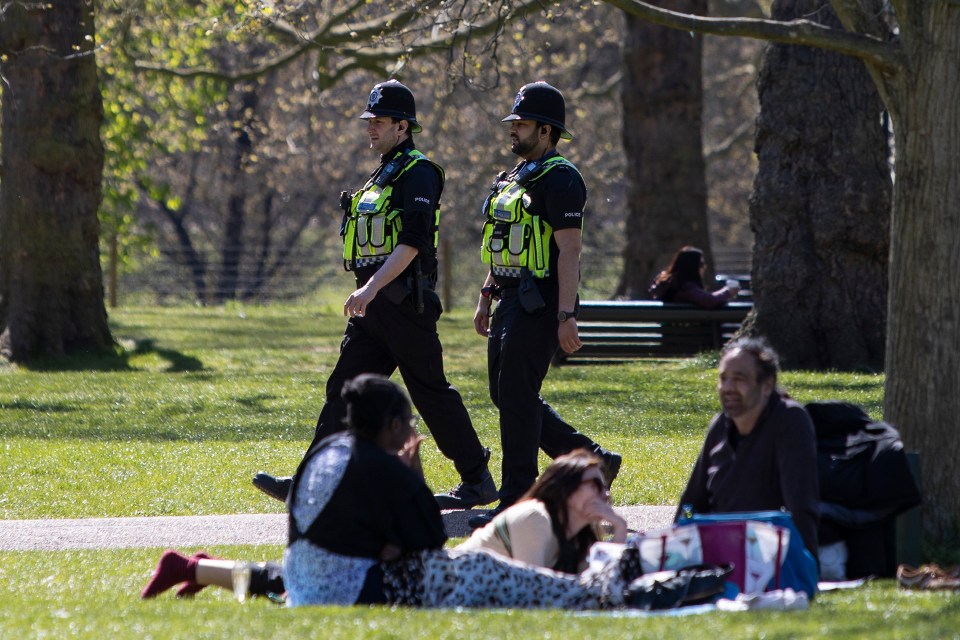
526,140
384,133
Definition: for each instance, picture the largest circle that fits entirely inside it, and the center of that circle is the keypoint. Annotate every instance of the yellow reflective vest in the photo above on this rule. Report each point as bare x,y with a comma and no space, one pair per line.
372,224
513,238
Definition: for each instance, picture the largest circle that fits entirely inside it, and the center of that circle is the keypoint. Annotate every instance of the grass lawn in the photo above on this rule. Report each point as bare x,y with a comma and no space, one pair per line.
200,399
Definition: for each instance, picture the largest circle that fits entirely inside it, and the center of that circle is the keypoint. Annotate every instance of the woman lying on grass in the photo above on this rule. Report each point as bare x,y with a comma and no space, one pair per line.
365,529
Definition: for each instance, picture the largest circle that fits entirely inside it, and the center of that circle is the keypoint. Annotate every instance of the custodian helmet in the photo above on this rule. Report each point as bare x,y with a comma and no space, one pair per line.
392,99
541,102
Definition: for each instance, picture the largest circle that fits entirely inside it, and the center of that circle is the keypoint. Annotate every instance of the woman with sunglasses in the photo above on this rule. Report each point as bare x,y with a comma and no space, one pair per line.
558,519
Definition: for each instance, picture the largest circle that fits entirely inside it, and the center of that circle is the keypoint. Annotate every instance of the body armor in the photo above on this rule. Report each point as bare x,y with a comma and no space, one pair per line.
372,220
513,238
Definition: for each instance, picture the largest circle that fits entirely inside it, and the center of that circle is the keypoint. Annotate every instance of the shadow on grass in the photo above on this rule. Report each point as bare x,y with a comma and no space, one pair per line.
115,359
42,407
179,428
842,387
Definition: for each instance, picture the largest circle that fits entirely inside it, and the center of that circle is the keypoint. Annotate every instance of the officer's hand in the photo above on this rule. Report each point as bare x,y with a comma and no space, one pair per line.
481,319
358,301
569,336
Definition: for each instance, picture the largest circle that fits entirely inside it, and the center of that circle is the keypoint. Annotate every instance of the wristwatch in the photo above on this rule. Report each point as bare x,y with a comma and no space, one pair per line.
563,316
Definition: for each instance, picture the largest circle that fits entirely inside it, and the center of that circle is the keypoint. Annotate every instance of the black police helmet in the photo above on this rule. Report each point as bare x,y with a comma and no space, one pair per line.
541,102
391,99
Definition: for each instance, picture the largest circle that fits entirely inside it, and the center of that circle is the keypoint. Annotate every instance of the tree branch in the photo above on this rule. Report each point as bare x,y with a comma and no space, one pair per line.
337,28
855,18
600,89
873,51
353,43
722,147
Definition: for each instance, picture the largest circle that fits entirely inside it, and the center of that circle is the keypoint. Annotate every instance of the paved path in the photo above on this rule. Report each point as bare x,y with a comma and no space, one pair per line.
197,531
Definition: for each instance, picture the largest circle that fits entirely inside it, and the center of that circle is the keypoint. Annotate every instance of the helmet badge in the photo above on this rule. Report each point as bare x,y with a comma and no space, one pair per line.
517,101
374,98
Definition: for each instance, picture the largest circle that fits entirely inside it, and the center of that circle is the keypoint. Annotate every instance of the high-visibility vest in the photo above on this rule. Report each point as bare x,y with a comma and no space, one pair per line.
513,238
372,224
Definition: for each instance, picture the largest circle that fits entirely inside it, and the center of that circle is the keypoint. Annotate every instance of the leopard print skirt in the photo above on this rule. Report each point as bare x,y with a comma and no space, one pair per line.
478,579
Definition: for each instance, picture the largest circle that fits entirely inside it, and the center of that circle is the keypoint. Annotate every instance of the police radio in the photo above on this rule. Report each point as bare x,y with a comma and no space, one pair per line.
346,200
387,173
526,172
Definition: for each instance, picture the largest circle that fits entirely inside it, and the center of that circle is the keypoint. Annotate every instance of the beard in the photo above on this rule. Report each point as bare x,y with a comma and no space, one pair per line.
522,147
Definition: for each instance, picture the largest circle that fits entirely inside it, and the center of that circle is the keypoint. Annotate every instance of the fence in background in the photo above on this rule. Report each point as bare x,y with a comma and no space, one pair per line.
170,280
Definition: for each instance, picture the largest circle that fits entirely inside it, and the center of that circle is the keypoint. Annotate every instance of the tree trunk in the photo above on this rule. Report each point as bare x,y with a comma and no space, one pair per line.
662,107
922,393
51,287
821,203
235,219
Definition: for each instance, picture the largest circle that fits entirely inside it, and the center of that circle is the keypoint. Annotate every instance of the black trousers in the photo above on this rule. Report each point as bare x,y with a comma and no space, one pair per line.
394,336
519,350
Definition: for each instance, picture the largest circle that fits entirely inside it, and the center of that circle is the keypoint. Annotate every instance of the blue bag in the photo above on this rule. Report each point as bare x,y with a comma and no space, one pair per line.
799,571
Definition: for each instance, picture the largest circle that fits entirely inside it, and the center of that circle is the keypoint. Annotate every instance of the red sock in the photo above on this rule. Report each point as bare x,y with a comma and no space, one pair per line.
191,588
172,569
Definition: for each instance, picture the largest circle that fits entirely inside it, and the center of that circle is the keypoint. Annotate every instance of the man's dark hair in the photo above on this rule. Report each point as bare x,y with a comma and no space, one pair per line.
554,132
399,120
768,362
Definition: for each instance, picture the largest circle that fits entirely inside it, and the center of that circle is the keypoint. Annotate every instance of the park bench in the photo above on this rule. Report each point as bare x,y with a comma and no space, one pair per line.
619,329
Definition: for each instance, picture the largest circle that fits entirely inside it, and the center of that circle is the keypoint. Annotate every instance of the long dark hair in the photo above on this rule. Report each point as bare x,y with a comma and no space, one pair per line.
552,488
372,402
683,268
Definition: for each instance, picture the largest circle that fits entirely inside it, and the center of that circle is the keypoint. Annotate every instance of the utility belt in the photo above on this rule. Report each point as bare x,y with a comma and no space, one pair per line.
527,291
497,292
401,288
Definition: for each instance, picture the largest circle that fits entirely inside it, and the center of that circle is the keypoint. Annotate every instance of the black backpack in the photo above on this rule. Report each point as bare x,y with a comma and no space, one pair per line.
865,481
861,463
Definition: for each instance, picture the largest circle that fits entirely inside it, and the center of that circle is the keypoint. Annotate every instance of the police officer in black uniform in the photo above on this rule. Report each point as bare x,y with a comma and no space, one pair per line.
531,240
389,230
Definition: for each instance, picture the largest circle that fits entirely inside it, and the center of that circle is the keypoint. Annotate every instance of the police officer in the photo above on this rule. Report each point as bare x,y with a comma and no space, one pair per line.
531,241
390,231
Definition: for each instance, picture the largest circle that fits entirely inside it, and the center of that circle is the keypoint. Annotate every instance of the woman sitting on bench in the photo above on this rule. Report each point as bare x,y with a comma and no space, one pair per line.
682,281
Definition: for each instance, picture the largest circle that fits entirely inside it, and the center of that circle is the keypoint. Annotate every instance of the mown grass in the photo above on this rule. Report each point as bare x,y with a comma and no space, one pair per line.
92,594
199,399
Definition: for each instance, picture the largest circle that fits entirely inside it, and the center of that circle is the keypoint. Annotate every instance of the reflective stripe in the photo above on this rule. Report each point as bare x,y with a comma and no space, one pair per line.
517,238
377,233
508,272
366,262
538,248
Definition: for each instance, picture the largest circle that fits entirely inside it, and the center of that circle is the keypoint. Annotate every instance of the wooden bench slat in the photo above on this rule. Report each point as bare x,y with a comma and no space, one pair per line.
613,329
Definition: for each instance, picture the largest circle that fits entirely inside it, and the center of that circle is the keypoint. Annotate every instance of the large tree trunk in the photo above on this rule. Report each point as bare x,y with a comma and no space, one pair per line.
662,108
51,288
923,351
821,205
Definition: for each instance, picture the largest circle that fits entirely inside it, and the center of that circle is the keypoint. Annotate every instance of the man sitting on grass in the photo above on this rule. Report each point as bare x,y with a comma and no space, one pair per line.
760,451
